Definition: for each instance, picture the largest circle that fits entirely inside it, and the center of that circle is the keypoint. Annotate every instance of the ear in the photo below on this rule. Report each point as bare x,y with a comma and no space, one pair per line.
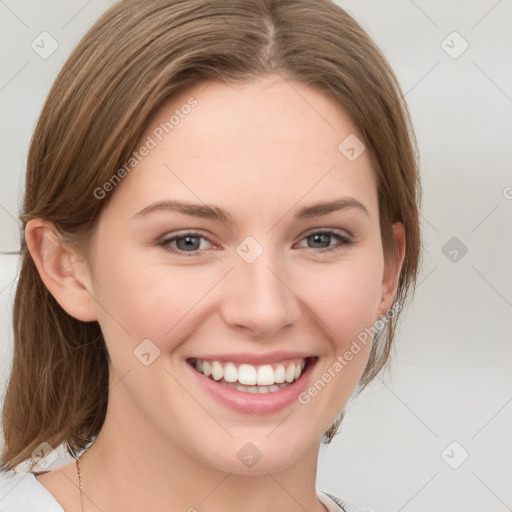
65,277
392,268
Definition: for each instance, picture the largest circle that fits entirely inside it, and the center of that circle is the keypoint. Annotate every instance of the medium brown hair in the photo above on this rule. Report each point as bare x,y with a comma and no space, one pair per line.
135,57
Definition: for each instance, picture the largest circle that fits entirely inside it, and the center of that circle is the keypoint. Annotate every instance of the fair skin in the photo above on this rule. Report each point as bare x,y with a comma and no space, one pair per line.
259,151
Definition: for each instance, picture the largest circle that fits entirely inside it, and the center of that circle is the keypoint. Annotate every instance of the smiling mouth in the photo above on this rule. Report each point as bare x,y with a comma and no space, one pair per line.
249,378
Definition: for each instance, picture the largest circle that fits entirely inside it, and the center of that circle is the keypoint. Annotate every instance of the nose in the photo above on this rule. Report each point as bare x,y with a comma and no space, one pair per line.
258,298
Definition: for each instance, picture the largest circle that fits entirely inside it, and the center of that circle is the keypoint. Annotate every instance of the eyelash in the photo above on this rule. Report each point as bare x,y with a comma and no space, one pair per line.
343,242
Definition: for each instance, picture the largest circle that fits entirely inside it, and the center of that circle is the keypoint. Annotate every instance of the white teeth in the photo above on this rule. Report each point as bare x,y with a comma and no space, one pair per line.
247,374
290,373
217,370
262,379
230,373
207,369
256,389
279,374
265,375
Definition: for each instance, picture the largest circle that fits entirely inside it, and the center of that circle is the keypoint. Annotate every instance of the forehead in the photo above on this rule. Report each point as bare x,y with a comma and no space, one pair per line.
271,141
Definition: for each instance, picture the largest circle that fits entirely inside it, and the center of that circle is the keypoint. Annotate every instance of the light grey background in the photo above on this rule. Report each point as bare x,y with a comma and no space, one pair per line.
450,379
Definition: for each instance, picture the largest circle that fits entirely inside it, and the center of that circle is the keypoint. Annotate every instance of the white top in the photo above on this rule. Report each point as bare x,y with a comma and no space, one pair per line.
24,493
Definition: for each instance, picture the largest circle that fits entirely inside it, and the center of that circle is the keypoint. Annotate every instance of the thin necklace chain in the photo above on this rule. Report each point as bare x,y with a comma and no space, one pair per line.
79,483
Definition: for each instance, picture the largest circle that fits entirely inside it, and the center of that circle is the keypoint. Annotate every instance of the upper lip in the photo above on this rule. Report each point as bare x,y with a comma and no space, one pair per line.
253,359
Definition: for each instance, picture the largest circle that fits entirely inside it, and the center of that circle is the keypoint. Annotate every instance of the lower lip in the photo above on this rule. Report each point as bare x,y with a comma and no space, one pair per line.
255,403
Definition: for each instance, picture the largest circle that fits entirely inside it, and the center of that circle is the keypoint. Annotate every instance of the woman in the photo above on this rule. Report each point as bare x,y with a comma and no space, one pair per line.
220,228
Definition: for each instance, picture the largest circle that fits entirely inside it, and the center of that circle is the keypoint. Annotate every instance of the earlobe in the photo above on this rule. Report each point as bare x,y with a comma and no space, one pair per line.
58,270
392,269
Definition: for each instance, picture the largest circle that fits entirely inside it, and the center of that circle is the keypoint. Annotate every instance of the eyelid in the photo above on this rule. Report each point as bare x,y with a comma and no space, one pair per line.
185,232
345,238
338,231
170,237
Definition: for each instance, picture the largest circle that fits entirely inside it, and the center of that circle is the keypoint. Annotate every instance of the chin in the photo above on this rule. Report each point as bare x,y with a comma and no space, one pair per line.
262,453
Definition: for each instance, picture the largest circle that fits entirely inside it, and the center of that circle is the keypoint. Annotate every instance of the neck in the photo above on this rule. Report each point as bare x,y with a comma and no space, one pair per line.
132,465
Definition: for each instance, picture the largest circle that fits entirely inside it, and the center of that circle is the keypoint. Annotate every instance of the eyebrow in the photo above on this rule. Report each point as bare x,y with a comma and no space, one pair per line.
325,207
215,213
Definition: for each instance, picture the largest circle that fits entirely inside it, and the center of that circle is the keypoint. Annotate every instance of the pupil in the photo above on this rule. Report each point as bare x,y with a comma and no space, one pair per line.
189,243
321,238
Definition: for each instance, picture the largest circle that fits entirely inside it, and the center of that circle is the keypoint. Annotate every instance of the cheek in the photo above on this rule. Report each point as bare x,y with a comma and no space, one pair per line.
344,300
344,297
155,301
166,302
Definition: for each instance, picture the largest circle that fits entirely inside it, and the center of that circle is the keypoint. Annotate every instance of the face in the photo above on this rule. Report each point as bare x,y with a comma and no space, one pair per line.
255,269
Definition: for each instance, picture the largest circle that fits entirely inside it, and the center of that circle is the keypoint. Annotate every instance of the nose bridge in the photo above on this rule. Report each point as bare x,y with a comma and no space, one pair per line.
259,298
